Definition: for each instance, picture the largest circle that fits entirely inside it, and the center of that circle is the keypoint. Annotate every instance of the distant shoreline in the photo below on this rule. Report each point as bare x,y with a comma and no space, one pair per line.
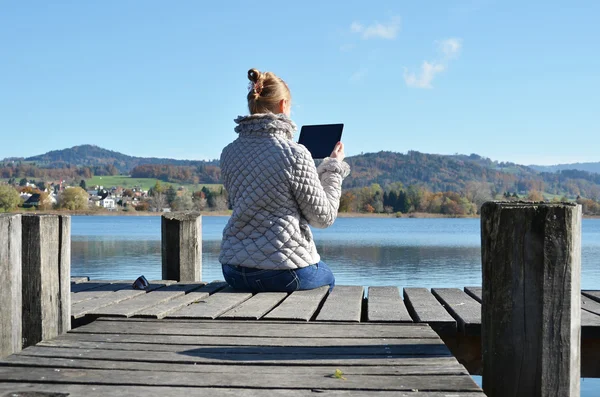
413,215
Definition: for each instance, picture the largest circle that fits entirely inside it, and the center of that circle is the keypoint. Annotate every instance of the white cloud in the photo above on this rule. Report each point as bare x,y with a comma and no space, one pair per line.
449,49
387,31
425,77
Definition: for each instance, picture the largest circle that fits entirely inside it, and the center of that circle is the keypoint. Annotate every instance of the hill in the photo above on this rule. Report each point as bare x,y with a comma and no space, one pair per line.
437,173
93,156
588,167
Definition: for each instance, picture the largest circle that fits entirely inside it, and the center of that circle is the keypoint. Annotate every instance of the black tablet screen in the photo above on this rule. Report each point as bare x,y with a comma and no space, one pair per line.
320,139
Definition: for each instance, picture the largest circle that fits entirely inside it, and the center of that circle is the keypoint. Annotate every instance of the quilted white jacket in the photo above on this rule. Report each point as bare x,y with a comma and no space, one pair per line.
275,192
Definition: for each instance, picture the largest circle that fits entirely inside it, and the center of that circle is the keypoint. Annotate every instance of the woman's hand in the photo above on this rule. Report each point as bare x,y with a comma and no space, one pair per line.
338,152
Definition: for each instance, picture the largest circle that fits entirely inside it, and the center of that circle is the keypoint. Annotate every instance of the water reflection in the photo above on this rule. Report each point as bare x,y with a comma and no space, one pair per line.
402,252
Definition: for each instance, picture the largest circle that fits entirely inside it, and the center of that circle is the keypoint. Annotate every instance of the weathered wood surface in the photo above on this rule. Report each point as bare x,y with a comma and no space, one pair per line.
75,390
80,309
475,293
304,361
531,257
465,310
344,303
40,277
11,333
384,304
100,289
78,279
212,306
255,307
163,309
264,328
137,304
299,306
181,246
64,273
424,308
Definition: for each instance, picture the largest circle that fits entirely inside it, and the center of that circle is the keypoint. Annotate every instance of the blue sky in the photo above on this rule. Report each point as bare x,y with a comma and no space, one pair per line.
510,80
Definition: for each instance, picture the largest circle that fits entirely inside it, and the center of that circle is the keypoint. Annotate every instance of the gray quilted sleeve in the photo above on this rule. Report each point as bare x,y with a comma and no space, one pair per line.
318,191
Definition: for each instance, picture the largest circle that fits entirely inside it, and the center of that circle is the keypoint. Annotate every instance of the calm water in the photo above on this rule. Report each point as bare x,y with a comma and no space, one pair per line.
360,251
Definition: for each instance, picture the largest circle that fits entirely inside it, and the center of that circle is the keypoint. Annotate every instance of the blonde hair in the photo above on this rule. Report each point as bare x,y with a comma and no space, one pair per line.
266,91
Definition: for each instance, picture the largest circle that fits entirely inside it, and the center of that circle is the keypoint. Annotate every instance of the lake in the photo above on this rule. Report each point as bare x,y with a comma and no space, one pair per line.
403,252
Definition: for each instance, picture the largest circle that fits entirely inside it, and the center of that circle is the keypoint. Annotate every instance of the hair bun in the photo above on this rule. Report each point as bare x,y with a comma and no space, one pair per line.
254,75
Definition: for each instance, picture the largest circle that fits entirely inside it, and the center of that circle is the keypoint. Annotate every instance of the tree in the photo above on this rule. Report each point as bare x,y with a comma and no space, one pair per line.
183,202
74,198
171,194
41,186
82,184
535,195
158,201
9,198
23,182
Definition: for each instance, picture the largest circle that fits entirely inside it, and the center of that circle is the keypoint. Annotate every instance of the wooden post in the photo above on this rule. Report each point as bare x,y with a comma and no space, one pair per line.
531,308
182,246
10,284
46,279
64,271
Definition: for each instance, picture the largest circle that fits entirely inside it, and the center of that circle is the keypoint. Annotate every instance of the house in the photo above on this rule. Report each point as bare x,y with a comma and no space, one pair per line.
34,201
108,203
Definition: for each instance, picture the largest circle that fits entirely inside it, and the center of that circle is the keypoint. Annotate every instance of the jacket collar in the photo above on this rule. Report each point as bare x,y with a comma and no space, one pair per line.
264,124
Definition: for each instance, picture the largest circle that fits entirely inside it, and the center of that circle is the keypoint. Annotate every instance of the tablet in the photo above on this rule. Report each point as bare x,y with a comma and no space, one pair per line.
320,139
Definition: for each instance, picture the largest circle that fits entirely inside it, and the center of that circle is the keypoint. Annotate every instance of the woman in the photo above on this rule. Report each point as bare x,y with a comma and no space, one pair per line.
275,192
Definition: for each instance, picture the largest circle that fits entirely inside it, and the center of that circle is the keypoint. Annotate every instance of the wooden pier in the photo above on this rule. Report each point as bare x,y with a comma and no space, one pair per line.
177,339
529,330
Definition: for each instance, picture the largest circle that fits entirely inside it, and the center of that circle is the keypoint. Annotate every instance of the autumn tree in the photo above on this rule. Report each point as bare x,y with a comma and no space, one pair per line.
73,198
9,198
183,202
535,195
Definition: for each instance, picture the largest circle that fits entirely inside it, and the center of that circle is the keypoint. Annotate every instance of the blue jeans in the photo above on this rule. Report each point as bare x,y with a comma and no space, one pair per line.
261,280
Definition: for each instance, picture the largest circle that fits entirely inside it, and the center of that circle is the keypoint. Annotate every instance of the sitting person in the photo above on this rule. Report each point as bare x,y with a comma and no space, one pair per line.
275,192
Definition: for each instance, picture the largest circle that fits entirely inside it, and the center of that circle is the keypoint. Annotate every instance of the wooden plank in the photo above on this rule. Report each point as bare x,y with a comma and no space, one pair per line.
344,303
441,369
240,379
475,293
85,286
11,332
255,307
465,310
385,305
77,390
413,347
132,306
77,280
161,310
199,357
80,309
262,328
201,340
212,306
424,308
299,306
590,305
99,290
590,325
595,295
